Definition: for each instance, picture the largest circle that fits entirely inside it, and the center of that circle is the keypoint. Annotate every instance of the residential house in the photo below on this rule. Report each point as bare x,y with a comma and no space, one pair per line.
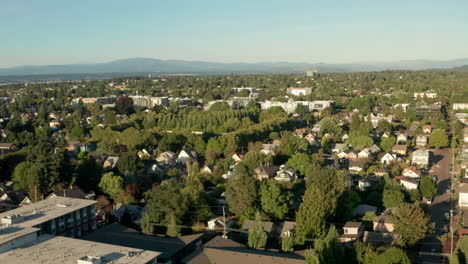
229,174
237,157
286,175
421,140
374,149
421,157
135,212
388,159
207,169
383,223
264,172
401,138
356,166
427,129
352,155
184,155
269,227
364,184
72,192
379,239
365,154
166,158
110,162
7,147
344,137
463,193
286,229
269,149
352,231
382,172
300,132
407,183
217,224
143,154
411,172
400,150
338,148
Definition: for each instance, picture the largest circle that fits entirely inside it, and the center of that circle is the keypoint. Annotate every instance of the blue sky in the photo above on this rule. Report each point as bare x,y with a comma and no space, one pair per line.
40,32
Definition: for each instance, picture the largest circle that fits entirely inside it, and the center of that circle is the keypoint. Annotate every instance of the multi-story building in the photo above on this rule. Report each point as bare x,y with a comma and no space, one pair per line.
91,100
150,101
290,107
425,95
460,106
299,91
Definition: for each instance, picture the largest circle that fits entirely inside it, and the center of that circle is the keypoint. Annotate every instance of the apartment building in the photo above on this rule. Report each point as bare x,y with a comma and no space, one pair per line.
150,101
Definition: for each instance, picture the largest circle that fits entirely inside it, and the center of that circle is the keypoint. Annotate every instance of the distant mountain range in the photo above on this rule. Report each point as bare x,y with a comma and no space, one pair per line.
157,66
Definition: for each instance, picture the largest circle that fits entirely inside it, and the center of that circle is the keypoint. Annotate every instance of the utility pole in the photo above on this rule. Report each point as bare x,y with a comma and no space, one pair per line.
451,207
224,225
451,235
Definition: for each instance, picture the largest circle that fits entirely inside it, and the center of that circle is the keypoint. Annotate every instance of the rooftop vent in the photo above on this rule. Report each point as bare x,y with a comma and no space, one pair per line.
89,260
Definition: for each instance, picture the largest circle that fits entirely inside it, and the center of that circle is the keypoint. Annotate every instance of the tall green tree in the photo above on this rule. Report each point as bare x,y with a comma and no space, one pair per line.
387,143
257,236
275,202
173,230
393,256
393,195
111,184
241,193
412,223
319,202
327,250
428,186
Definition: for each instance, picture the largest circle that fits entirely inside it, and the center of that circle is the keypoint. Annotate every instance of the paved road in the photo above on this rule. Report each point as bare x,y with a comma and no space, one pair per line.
442,160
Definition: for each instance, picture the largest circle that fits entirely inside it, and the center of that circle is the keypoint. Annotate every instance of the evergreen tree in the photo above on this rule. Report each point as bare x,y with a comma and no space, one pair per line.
257,236
438,138
412,223
241,193
287,244
274,201
327,250
172,229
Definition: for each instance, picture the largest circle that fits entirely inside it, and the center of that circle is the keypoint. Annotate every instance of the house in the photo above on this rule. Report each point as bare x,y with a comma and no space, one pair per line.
421,157
353,155
421,140
110,162
400,150
143,154
237,157
300,132
364,184
77,146
264,172
217,224
15,197
268,227
407,183
365,154
463,194
344,137
384,223
401,138
207,169
227,251
388,159
135,212
374,149
72,192
229,174
286,228
352,231
184,155
7,148
356,166
166,158
381,172
411,172
427,129
380,239
286,175
269,149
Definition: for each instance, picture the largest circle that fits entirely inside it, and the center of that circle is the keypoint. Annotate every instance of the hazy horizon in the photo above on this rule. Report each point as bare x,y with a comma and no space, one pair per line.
53,32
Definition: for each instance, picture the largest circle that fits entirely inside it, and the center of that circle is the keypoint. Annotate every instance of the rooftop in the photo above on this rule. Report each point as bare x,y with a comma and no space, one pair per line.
10,233
49,249
45,210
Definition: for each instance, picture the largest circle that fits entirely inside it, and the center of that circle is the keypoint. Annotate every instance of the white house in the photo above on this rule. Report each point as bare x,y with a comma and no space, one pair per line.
388,159
463,195
421,157
352,231
285,174
184,155
411,172
421,140
401,138
408,183
365,154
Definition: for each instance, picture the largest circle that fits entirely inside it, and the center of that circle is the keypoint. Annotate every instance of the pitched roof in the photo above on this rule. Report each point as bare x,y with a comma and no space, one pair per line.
226,251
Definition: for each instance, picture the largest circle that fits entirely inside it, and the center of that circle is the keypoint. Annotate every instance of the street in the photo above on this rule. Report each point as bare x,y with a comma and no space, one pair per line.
441,160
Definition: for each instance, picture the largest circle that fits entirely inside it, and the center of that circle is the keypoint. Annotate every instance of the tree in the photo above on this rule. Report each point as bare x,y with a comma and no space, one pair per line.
384,126
166,199
111,184
327,250
393,195
172,229
330,125
124,105
438,138
220,106
146,225
461,252
129,163
274,201
110,118
428,186
358,141
300,109
21,175
412,223
387,143
241,192
324,189
257,236
393,256
287,244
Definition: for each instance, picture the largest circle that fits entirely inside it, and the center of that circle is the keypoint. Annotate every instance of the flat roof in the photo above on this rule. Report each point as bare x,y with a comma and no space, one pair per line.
45,210
49,249
13,232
